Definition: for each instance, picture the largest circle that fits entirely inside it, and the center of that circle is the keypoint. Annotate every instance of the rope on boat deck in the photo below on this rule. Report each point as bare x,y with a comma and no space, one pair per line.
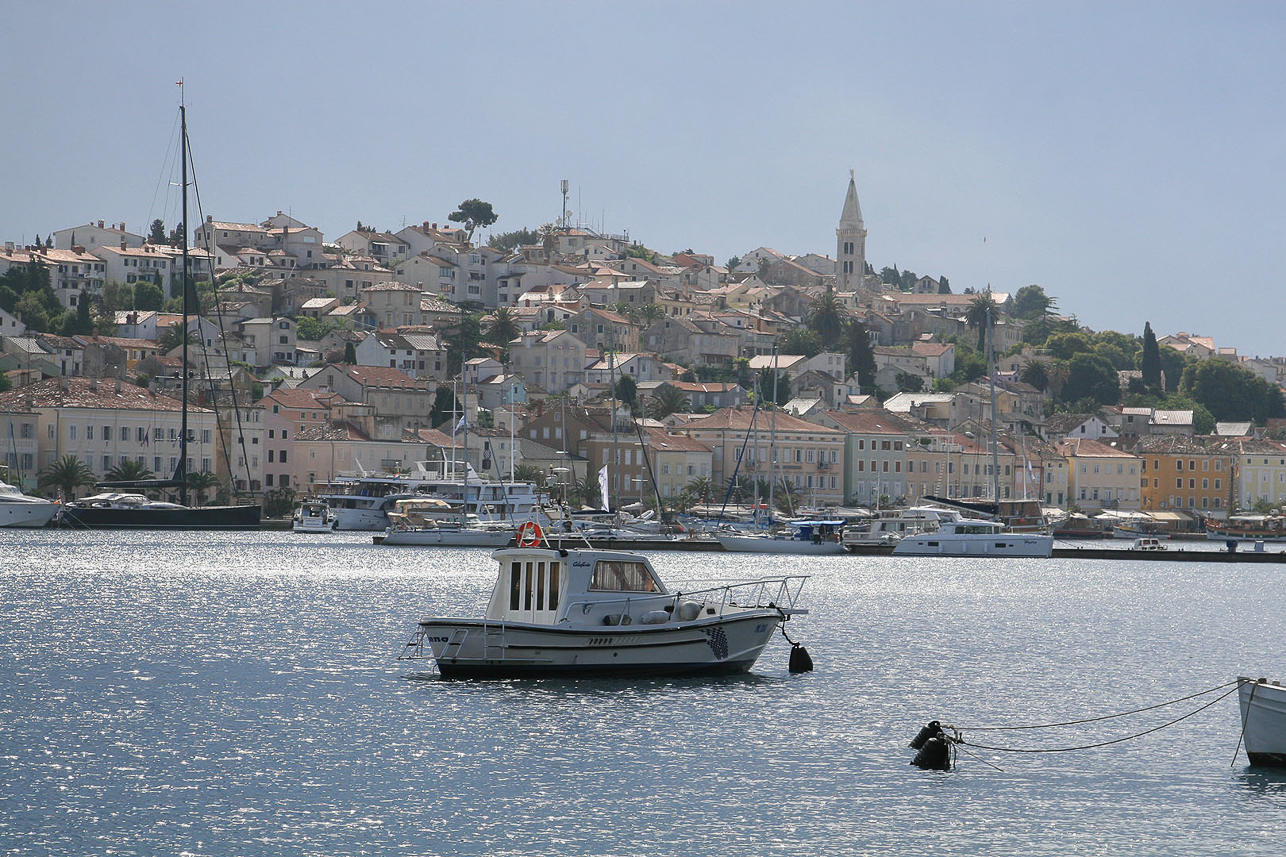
1233,684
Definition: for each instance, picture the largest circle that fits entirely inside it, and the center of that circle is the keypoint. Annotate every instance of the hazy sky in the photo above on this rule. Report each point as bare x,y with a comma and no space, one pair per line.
1127,157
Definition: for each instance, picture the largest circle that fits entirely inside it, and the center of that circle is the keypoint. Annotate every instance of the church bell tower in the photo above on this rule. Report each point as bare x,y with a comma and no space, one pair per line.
850,243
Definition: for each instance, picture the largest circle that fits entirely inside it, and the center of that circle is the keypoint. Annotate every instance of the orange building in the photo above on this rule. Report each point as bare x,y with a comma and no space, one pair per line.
1185,473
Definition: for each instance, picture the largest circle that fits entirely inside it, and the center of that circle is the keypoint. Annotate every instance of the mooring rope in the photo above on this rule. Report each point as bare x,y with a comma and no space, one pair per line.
1114,740
1254,686
1097,719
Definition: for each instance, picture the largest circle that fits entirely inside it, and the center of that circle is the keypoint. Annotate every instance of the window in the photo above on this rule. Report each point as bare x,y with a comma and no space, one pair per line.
71,432
283,458
89,432
622,576
270,454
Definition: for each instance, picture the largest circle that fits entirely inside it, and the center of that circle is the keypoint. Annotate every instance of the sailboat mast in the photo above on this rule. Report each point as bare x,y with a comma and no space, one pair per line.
991,371
182,471
464,407
772,436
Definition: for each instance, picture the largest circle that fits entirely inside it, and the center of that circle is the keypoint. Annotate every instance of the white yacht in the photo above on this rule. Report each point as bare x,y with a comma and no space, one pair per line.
429,522
22,510
891,526
313,516
956,535
576,613
363,502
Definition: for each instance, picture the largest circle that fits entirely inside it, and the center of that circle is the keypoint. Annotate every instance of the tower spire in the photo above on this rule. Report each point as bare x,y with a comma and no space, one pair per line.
850,242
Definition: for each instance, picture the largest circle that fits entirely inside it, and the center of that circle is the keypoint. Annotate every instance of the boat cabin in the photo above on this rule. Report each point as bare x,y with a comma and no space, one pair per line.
551,587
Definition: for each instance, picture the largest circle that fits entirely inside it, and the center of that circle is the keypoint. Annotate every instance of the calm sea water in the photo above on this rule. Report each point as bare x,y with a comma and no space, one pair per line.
240,694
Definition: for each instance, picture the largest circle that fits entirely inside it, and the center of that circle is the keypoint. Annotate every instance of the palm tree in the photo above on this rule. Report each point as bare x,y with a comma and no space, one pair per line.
530,473
66,474
700,487
981,309
1035,373
668,400
826,316
172,337
504,327
1057,373
201,483
129,470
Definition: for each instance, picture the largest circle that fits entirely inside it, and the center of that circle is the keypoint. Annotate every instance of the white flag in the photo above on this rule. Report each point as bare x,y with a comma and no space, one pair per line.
458,425
602,489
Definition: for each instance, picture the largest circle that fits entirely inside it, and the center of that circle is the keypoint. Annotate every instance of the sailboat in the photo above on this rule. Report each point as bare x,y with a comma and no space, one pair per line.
817,537
119,507
409,528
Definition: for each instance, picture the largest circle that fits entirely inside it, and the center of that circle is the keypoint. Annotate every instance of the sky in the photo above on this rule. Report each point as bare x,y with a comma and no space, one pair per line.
1129,158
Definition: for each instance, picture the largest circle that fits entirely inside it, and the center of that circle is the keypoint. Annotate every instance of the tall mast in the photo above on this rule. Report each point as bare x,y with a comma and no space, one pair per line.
772,436
991,371
182,471
614,473
464,407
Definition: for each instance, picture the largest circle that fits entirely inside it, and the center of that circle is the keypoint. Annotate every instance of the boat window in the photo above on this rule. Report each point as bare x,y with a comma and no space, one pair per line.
555,568
540,586
515,578
526,605
622,576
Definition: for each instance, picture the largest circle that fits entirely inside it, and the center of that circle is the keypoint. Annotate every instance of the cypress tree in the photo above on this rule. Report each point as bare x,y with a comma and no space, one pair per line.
1150,360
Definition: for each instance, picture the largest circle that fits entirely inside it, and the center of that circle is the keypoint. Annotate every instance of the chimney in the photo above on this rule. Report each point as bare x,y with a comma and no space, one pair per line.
426,226
100,224
122,225
209,218
123,244
118,386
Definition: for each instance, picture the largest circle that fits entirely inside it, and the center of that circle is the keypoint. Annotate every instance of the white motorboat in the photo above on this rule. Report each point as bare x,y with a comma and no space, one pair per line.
957,535
313,516
364,502
802,537
1263,720
891,526
22,510
429,522
578,613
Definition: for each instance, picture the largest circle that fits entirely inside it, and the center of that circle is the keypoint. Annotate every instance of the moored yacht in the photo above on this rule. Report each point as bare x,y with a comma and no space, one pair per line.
577,613
313,516
364,502
21,510
956,535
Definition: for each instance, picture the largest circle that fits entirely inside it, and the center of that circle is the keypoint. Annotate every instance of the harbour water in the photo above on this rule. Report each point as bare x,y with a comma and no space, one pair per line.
228,694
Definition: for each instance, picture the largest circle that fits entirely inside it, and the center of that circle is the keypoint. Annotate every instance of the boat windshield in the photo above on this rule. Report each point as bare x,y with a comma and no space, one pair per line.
623,576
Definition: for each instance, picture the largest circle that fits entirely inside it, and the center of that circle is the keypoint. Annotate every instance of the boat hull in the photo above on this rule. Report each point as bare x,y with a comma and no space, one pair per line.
312,527
1273,536
1002,545
431,537
1263,720
764,544
196,518
720,646
27,514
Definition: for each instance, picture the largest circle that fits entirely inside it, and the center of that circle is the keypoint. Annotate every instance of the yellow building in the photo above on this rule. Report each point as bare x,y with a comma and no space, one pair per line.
1185,473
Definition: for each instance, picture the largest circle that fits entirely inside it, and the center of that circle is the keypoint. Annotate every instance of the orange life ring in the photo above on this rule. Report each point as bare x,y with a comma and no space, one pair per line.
530,535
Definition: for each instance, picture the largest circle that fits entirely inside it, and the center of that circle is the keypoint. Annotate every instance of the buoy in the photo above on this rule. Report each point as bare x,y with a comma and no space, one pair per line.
935,755
930,729
800,662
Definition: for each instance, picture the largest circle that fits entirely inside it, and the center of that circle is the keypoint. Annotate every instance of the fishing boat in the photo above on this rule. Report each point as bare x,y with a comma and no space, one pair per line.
118,507
22,510
1263,720
957,535
818,538
1265,528
313,516
579,613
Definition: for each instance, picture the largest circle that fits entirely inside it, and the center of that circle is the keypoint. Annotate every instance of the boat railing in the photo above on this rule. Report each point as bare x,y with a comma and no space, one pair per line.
781,593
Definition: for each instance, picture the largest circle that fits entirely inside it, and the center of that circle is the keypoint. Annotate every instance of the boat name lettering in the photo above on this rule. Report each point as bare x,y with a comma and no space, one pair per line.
436,639
580,563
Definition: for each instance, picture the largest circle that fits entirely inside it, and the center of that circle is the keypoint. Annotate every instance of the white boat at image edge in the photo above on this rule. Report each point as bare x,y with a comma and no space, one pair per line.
22,510
799,537
1263,720
313,516
580,613
956,535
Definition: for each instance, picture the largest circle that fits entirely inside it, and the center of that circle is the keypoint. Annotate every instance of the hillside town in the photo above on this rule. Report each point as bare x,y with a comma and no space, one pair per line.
543,355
